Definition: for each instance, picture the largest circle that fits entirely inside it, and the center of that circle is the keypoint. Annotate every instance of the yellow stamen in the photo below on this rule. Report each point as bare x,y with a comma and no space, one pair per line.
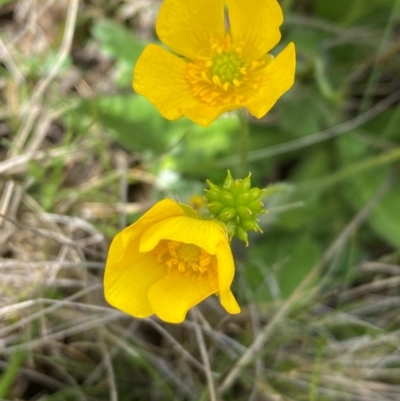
186,259
219,78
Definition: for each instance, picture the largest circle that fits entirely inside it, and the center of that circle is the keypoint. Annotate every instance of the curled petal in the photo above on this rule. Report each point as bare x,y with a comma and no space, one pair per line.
229,302
226,267
173,295
226,272
206,234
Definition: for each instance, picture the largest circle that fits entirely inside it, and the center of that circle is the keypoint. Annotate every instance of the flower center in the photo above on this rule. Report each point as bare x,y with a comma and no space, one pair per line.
186,259
219,78
226,67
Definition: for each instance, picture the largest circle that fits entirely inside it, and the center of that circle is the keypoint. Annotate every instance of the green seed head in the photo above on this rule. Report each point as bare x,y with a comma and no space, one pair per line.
236,204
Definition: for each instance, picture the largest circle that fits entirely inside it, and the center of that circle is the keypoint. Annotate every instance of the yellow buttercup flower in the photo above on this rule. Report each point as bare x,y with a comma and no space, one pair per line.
167,262
215,69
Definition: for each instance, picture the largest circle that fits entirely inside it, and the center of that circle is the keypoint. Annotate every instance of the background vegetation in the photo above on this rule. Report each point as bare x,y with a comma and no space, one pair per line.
82,156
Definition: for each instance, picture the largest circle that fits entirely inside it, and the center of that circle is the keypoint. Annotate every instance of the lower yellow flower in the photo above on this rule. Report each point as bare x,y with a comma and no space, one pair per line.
167,262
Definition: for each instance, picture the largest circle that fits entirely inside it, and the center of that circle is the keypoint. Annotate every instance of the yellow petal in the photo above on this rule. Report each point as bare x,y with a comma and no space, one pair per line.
274,80
226,266
173,295
130,236
229,302
226,272
126,289
255,25
204,114
160,77
129,274
186,26
206,234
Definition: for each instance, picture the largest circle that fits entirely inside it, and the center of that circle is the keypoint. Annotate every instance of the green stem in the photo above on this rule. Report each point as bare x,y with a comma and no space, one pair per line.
244,142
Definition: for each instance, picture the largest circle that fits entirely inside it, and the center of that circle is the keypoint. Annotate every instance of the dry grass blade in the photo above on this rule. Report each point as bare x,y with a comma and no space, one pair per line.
85,325
110,372
204,355
64,51
82,156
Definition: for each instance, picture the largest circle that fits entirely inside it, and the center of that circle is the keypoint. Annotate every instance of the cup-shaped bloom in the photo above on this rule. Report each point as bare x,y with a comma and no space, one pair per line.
167,262
214,68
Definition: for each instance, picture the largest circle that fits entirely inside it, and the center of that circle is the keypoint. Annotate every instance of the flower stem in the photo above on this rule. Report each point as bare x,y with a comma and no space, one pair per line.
244,142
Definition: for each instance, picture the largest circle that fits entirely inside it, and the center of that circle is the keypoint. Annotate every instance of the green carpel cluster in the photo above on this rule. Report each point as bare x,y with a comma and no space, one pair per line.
226,66
237,205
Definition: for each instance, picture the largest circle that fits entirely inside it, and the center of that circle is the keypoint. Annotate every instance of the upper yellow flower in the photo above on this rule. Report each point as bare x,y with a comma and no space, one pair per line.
219,69
167,262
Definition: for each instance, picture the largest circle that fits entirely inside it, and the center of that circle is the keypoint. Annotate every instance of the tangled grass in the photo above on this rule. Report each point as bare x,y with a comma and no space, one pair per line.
64,192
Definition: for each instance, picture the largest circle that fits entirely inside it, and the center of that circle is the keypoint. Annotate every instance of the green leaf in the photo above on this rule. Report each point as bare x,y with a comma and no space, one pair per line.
303,256
385,125
202,146
281,264
117,41
135,122
308,42
302,119
350,12
385,219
